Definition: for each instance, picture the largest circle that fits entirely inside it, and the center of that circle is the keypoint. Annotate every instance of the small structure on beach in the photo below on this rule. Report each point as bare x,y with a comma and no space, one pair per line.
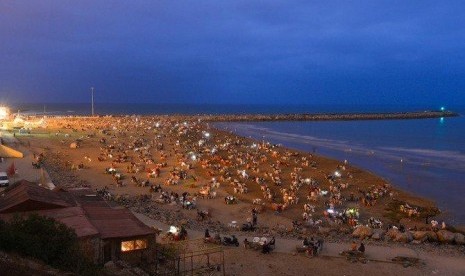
107,233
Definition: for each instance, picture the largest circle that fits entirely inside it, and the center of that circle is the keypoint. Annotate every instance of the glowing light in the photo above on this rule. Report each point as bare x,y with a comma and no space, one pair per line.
206,134
4,112
331,211
337,174
194,157
443,108
441,120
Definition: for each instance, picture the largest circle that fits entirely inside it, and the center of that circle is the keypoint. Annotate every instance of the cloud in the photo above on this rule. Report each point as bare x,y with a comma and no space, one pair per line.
232,51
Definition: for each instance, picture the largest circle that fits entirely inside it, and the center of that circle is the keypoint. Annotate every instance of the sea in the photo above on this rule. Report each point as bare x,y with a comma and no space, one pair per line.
425,157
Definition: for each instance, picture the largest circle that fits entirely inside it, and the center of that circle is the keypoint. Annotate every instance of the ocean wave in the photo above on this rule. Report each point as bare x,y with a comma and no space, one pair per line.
424,158
429,152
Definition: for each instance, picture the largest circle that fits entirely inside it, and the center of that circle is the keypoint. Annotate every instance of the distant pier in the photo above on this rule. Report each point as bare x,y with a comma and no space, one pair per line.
329,116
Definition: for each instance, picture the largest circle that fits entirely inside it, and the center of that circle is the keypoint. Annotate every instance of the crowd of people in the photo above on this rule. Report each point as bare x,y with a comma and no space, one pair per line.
155,152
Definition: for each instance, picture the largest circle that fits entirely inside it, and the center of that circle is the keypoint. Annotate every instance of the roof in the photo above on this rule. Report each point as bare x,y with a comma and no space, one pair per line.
116,222
26,196
79,208
73,217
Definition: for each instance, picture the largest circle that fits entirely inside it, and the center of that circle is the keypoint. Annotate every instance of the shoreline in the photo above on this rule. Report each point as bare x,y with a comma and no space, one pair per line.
179,136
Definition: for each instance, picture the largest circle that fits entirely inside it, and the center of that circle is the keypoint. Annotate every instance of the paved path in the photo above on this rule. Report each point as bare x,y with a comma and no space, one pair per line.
437,265
283,245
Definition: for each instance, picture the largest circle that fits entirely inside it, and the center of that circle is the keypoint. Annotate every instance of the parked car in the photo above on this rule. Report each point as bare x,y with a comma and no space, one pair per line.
4,182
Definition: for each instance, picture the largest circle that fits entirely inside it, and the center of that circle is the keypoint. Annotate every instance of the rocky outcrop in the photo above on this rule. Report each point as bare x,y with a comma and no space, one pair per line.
445,236
459,238
404,237
421,236
362,232
378,234
392,233
432,236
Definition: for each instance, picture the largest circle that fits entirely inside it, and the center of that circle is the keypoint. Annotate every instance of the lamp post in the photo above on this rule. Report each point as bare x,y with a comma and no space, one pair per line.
92,89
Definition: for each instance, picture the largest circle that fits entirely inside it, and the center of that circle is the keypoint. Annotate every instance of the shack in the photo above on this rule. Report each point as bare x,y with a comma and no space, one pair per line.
108,233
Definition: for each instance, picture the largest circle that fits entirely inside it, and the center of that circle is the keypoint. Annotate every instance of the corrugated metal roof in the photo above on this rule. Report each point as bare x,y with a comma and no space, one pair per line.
73,217
26,196
116,222
78,208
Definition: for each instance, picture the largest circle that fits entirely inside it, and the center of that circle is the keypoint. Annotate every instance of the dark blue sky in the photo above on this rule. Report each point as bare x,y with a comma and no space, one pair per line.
296,52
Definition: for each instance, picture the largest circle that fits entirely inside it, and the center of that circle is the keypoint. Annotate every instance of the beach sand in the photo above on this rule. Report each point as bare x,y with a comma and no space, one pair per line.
221,155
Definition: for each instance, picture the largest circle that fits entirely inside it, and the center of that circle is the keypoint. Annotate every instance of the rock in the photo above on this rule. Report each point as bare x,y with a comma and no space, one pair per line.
362,232
432,236
421,236
459,238
405,237
392,233
378,234
445,236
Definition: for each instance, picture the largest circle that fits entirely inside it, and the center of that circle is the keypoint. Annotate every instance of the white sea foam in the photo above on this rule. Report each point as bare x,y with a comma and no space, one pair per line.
454,160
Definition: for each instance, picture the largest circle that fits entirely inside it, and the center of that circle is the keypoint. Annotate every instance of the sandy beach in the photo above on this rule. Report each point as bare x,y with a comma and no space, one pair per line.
154,165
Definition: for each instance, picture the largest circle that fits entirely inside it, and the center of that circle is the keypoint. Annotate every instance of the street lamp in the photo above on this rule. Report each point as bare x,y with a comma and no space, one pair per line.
92,89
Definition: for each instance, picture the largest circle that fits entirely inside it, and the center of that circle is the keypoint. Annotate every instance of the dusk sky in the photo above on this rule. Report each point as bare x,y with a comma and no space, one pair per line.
221,51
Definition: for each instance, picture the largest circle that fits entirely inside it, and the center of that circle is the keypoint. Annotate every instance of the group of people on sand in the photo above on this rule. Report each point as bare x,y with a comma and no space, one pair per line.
313,247
180,150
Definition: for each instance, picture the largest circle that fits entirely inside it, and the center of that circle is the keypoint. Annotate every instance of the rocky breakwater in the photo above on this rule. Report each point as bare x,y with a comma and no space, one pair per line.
409,236
329,116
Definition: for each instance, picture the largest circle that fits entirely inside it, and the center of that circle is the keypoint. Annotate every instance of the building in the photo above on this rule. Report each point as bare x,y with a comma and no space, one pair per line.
105,232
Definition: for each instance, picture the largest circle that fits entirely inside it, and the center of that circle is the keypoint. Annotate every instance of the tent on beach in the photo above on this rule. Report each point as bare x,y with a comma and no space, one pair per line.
8,152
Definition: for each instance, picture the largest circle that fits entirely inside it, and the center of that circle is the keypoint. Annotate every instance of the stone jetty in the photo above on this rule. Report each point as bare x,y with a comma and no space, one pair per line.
329,116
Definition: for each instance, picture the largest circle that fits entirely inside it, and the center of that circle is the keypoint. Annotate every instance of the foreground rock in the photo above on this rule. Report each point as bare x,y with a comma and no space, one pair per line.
459,238
445,236
378,234
362,232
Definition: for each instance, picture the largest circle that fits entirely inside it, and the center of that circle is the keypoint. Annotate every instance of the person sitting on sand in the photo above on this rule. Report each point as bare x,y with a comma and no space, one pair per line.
266,248
305,242
246,243
361,248
272,242
207,234
353,246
